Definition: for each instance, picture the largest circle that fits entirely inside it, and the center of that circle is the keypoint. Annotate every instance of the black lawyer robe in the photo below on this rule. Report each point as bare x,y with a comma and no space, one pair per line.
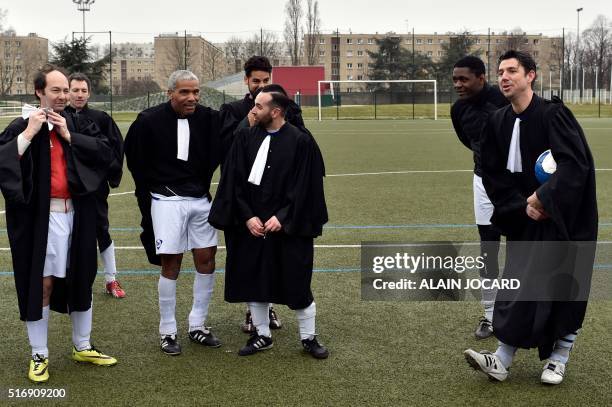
277,269
109,129
151,150
26,186
568,197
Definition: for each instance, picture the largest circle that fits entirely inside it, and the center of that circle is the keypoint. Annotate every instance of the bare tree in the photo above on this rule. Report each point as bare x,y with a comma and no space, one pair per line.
213,62
178,55
8,71
4,29
172,52
518,40
32,60
556,54
3,14
234,50
597,48
570,60
181,53
265,44
7,58
293,30
313,31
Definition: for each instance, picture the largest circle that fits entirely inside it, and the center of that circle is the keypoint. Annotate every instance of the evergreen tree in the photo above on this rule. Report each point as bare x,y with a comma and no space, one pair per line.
393,62
77,56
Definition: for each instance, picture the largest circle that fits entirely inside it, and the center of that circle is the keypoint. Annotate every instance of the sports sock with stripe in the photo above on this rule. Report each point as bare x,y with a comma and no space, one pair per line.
505,353
563,346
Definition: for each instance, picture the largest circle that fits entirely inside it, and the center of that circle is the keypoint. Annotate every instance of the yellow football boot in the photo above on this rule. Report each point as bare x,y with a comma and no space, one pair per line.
93,356
39,369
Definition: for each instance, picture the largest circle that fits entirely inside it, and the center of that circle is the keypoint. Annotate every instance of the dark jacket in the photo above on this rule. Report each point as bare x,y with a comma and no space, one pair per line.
469,117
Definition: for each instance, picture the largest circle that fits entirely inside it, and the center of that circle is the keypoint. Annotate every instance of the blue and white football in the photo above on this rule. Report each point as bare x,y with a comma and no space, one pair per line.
545,166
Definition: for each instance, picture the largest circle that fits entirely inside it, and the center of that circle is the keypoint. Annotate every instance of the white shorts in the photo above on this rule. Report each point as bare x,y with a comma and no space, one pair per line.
59,239
483,208
181,224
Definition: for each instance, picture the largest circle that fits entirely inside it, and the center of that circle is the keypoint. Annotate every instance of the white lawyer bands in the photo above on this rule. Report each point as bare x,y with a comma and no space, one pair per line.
182,139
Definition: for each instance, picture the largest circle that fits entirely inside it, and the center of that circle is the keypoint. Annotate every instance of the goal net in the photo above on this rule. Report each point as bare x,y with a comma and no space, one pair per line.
378,99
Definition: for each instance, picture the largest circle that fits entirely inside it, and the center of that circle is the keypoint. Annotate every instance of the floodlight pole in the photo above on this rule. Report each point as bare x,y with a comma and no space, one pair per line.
489,56
413,71
562,66
185,51
578,10
83,6
110,63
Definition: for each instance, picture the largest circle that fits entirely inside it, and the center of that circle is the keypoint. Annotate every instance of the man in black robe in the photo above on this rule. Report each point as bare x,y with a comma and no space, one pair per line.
257,74
547,226
271,205
80,91
51,163
172,151
469,114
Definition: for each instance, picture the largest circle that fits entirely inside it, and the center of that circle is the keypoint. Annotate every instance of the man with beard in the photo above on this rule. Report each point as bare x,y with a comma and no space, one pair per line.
51,163
469,114
271,205
550,228
172,151
257,74
80,91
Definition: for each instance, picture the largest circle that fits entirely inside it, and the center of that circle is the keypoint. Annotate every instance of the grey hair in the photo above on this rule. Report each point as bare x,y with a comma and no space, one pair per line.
180,75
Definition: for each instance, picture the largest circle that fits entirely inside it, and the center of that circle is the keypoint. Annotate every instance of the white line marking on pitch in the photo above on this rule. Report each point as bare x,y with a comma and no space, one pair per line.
357,174
318,246
336,246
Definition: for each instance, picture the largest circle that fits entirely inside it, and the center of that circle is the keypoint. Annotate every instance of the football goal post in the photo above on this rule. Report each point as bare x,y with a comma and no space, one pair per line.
378,99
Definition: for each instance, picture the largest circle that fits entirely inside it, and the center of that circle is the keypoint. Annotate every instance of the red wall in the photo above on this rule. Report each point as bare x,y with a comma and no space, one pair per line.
299,78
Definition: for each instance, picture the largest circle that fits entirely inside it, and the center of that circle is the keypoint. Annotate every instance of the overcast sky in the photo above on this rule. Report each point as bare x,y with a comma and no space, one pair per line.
140,21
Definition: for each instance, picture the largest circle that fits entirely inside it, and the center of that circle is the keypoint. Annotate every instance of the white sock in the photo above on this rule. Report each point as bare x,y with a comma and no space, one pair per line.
38,332
260,313
505,353
203,285
306,321
563,347
81,328
108,261
166,289
488,299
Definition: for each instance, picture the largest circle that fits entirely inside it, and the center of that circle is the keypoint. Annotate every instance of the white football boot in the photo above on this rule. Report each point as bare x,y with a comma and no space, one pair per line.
486,362
553,372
